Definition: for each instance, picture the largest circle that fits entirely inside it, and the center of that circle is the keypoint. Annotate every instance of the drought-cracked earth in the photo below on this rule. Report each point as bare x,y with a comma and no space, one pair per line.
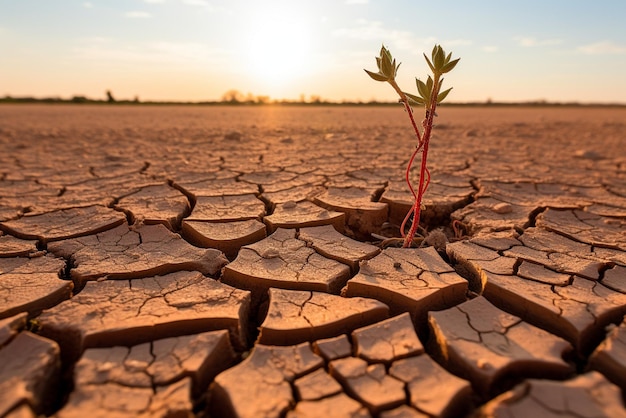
236,262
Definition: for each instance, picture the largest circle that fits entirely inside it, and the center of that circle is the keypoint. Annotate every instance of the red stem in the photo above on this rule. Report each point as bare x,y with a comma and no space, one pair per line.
408,182
423,185
410,164
421,188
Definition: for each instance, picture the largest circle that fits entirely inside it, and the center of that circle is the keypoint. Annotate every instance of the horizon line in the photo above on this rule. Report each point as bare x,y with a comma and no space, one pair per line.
266,101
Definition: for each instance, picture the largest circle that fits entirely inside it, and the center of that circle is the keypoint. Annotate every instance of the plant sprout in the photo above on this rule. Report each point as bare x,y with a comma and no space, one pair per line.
429,96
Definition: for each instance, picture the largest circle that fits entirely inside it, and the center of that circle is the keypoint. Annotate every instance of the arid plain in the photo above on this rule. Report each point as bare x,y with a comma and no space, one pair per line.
221,261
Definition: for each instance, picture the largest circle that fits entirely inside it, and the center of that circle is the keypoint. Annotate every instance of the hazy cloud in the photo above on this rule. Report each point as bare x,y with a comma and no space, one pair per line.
201,3
490,48
603,48
116,52
204,4
137,14
529,41
185,51
154,1
455,42
357,1
367,30
95,40
87,5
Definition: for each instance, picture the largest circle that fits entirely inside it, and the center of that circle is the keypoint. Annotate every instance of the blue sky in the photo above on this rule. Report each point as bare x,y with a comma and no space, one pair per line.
557,50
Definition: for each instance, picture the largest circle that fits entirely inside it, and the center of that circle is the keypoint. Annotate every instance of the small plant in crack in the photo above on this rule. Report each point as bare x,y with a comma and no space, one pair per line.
429,95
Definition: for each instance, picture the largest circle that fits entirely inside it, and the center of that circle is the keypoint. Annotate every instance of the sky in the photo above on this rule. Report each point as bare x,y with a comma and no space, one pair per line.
196,50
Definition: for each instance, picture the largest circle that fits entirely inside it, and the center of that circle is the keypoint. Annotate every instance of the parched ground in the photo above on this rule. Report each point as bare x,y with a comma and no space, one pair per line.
235,262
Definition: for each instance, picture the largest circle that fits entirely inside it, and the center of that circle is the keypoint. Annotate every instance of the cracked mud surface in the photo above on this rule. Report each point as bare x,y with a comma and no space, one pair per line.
229,262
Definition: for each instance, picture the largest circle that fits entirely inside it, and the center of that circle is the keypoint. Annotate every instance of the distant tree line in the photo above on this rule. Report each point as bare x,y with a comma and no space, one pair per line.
236,98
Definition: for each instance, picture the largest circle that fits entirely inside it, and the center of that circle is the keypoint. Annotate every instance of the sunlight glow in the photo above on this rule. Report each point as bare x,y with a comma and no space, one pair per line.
279,43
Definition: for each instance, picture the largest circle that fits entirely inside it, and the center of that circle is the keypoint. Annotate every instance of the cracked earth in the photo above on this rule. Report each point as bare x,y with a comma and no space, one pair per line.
240,262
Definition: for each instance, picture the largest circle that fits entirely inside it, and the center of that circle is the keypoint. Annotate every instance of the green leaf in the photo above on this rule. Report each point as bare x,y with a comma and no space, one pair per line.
415,99
430,64
450,66
443,95
429,85
387,68
377,76
448,57
439,58
422,89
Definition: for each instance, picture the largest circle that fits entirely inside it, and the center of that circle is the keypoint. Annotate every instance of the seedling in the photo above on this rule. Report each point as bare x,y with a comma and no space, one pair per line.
429,96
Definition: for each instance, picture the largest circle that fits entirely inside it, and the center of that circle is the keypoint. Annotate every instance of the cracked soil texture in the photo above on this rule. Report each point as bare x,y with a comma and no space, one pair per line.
184,261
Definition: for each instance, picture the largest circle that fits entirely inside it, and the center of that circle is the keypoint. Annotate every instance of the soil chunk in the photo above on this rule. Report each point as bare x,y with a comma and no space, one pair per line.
126,312
388,340
609,357
29,373
297,194
370,384
446,193
105,190
110,399
333,348
316,385
330,243
19,196
588,395
160,204
302,215
283,261
363,215
577,312
339,406
297,316
265,376
474,260
126,253
614,279
227,208
487,215
9,327
272,180
31,284
403,411
585,227
539,273
558,253
64,224
486,345
15,247
227,237
177,368
432,389
215,187
408,280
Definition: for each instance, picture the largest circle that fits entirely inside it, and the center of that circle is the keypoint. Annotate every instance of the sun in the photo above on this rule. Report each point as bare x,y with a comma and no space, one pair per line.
279,45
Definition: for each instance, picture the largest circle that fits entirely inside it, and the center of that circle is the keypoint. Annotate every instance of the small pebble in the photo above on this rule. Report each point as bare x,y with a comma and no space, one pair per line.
589,155
502,208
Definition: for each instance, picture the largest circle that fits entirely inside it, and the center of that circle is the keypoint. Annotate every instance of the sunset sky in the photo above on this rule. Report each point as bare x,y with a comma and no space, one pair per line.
195,50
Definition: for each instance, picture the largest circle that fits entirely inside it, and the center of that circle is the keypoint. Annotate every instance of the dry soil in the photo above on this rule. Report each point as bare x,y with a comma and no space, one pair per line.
233,262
